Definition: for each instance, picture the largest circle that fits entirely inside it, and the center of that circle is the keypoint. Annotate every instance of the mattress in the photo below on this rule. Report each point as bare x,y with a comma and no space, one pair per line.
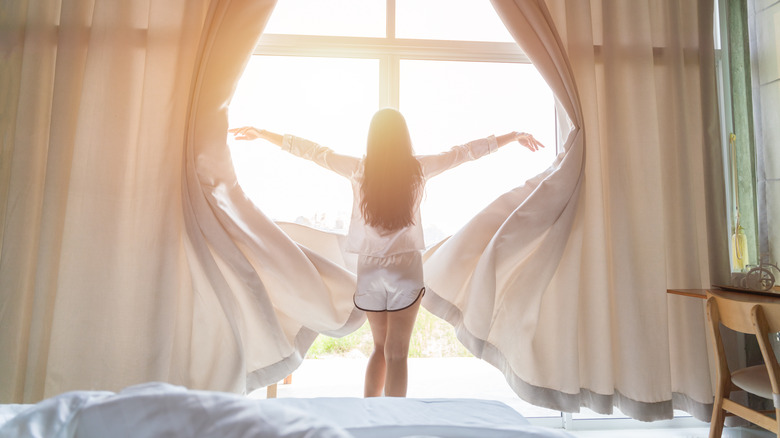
159,409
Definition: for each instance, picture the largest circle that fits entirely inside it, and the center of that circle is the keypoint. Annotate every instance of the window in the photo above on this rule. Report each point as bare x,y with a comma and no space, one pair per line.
747,53
449,20
446,102
356,18
321,73
316,98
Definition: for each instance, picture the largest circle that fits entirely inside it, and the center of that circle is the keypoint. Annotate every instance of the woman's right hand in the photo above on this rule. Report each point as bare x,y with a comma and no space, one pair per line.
246,133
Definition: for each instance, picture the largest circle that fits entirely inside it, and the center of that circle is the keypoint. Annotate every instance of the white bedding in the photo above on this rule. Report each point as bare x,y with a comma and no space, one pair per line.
158,409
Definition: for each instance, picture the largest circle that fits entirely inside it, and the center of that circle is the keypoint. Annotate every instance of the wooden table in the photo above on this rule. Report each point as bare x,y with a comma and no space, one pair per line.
695,293
702,293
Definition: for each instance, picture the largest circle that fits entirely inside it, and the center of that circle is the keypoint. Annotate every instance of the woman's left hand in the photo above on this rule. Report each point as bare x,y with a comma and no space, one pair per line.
528,141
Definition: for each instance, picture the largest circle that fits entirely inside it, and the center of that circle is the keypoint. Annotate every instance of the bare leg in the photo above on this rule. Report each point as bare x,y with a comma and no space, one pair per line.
399,332
375,371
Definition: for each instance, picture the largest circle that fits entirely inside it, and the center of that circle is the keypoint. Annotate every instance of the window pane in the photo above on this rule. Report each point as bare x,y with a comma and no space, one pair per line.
326,100
364,18
464,20
450,103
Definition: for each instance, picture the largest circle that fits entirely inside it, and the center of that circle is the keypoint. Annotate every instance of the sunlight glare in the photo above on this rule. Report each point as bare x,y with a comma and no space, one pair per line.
451,103
331,101
364,18
461,20
327,100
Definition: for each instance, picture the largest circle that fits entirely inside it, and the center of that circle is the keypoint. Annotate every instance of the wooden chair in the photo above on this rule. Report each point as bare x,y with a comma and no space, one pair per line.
271,390
752,314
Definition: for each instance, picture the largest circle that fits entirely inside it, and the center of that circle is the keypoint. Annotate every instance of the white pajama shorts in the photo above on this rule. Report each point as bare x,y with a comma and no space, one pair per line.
389,283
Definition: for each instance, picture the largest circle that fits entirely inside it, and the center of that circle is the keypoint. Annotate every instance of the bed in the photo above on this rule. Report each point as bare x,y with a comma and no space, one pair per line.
159,409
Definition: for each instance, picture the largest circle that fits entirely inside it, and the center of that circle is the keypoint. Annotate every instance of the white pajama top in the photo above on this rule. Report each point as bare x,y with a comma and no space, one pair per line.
362,238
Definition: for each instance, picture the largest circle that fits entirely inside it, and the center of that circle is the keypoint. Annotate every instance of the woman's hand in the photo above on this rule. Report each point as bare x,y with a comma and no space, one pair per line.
528,141
246,133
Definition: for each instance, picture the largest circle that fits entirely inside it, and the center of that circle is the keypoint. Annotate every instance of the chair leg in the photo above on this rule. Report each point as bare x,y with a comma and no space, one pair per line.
718,416
270,391
777,422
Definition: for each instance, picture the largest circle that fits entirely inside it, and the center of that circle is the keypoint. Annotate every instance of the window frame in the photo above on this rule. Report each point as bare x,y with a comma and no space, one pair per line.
752,196
390,51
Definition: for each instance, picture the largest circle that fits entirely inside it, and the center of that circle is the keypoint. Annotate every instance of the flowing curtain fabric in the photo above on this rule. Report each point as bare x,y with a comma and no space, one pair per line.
275,295
583,318
493,279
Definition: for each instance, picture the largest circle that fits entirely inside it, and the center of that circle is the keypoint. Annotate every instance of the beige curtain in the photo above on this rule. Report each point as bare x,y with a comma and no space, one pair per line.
563,287
92,263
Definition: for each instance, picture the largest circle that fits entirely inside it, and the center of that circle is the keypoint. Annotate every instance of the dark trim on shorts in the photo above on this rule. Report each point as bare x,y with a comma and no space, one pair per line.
420,295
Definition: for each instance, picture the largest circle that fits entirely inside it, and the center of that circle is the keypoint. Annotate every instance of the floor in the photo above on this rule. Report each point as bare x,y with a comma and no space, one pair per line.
433,378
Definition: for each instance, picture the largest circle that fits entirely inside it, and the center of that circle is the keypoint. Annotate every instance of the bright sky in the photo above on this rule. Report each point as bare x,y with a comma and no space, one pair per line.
473,20
331,101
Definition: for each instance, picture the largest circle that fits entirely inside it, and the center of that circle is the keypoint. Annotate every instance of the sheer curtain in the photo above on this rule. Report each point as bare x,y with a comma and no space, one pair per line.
129,252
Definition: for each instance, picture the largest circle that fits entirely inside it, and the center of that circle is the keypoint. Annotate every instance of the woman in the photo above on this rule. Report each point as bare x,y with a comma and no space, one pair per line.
385,230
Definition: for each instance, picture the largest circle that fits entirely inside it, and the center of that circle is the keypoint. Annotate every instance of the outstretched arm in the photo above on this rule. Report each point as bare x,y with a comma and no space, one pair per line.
342,164
252,133
435,164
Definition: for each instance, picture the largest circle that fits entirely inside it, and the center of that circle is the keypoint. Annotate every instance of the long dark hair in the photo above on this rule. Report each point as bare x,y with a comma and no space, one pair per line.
392,176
